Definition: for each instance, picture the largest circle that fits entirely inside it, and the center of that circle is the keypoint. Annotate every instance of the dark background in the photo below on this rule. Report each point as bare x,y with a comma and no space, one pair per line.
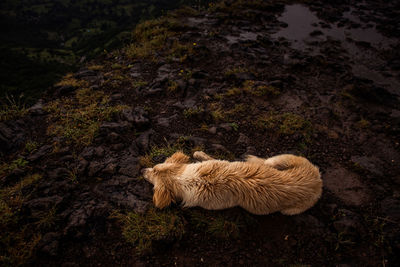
40,40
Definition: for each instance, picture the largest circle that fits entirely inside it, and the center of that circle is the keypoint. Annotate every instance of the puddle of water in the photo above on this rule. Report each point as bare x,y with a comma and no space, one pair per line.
302,22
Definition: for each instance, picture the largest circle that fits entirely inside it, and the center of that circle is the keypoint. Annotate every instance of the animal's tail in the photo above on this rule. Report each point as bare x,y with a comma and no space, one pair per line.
287,161
302,172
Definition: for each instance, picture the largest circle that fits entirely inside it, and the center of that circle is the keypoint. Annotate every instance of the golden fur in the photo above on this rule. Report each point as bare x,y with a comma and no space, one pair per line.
284,183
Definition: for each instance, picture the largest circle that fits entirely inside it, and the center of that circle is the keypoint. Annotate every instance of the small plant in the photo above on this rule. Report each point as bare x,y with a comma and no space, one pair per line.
19,163
160,152
172,86
143,230
233,91
12,108
139,83
234,126
47,219
260,90
191,112
70,80
363,124
286,124
216,224
235,70
116,66
31,146
96,67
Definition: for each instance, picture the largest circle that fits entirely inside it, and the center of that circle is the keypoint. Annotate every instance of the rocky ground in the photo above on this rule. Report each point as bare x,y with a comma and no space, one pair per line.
239,78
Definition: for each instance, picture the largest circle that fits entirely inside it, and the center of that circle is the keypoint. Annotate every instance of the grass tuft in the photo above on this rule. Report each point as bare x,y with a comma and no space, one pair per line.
159,152
77,120
12,109
285,124
143,230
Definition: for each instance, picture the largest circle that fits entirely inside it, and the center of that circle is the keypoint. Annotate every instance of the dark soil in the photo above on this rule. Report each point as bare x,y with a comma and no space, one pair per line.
252,82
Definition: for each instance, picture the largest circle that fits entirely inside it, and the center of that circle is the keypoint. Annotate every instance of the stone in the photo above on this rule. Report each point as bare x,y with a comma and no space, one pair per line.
219,148
49,243
85,73
164,122
99,151
59,173
114,138
37,109
95,167
212,130
226,126
140,118
243,139
126,192
81,212
390,207
118,127
129,166
110,168
370,164
11,136
346,186
38,205
41,152
142,142
87,153
82,165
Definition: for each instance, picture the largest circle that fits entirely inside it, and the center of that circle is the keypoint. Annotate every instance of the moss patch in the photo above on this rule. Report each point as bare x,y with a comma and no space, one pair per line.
144,230
285,124
77,120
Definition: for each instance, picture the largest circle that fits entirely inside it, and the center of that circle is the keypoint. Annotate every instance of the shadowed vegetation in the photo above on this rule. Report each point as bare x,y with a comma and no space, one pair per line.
77,120
17,238
285,124
144,230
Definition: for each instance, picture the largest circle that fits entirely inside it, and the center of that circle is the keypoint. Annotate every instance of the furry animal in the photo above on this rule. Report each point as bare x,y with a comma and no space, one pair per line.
285,183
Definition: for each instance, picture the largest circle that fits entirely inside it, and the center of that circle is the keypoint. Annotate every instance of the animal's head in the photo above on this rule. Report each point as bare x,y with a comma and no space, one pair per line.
162,176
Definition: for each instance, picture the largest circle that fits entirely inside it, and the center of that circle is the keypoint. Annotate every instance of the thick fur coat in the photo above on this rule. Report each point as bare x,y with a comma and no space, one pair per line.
285,183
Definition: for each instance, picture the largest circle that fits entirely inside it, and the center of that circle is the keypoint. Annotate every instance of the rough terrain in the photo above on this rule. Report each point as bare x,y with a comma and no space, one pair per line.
239,78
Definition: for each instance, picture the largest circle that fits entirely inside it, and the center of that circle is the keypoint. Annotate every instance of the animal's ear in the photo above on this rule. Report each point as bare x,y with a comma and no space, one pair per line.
162,197
178,157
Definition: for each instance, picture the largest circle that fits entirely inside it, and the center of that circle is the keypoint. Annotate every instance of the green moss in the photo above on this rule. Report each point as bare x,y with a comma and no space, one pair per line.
233,92
70,80
219,225
143,230
260,90
139,83
235,70
78,119
160,152
192,112
363,124
285,124
31,146
96,67
151,36
19,163
116,66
